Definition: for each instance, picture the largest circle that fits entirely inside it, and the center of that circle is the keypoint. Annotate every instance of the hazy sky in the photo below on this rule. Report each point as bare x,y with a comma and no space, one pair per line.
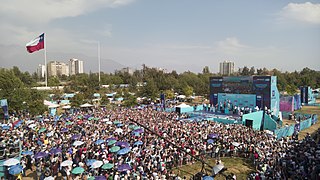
172,34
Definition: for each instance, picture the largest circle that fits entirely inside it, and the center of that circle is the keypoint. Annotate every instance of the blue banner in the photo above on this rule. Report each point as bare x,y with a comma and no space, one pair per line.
4,105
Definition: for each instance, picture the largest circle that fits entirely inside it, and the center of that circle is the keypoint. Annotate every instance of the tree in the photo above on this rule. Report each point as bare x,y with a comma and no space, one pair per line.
252,71
245,71
206,70
130,101
188,91
77,100
53,81
169,94
150,90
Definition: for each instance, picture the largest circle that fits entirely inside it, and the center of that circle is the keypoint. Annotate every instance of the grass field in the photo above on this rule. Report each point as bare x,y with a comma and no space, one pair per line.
239,166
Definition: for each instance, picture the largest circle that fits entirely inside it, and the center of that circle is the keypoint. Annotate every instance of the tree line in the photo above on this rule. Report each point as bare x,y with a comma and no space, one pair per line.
147,82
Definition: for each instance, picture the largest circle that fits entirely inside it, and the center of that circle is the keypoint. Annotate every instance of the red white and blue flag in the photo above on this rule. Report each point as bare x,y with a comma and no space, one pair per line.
36,44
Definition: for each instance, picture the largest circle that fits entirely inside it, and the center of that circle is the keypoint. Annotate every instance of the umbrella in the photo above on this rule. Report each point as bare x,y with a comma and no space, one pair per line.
118,130
49,178
17,124
69,123
29,121
236,144
119,125
217,168
111,142
138,143
78,143
27,153
207,178
210,141
116,122
136,127
122,144
76,136
123,151
108,122
42,130
50,134
105,120
90,162
77,170
124,167
131,126
107,166
114,149
140,130
15,169
135,134
40,155
99,141
64,130
111,138
66,163
96,119
90,118
11,162
212,136
32,125
55,151
96,164
99,178
91,178
5,127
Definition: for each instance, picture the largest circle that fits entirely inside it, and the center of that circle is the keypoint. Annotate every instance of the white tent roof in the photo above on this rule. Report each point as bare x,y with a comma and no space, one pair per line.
86,105
183,105
53,106
66,107
181,96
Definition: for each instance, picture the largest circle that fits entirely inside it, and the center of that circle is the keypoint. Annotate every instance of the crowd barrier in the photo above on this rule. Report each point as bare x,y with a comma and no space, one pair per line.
289,130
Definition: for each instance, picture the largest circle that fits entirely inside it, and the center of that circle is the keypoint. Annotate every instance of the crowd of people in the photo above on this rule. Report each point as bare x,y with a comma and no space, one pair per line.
132,143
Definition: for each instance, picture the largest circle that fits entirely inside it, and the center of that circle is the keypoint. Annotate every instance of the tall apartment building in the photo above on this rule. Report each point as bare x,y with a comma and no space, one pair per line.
226,68
56,68
75,66
41,71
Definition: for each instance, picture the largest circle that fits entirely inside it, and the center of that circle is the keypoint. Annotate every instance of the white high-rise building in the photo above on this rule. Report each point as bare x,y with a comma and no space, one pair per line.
226,68
56,68
75,66
41,71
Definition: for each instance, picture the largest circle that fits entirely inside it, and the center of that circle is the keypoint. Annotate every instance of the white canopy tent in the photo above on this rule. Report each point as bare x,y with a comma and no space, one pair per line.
86,105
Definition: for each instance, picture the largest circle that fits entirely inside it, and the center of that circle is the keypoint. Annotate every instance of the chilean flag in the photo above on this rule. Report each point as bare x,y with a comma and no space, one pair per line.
36,44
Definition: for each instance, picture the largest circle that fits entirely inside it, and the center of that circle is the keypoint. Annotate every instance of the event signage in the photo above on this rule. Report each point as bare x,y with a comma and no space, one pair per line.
4,105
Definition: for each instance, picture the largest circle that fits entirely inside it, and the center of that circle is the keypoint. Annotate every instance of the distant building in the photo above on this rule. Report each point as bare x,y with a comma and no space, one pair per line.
126,70
41,71
56,68
226,68
75,66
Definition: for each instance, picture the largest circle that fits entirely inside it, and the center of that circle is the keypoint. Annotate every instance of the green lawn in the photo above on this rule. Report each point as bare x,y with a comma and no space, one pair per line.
239,166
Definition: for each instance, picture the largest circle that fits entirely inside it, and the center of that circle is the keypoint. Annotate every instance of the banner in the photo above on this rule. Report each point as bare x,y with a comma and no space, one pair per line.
4,105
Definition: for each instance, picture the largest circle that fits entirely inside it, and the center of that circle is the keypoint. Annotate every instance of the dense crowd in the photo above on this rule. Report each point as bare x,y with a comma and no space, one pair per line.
117,143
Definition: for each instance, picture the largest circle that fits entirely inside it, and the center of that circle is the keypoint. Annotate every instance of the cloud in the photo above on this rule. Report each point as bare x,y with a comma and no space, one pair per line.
304,12
42,11
230,45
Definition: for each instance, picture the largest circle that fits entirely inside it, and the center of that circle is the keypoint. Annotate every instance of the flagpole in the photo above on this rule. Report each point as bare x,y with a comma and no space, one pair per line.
45,60
99,61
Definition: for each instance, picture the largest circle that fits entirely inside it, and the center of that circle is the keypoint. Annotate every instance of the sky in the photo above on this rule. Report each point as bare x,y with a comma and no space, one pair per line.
182,35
